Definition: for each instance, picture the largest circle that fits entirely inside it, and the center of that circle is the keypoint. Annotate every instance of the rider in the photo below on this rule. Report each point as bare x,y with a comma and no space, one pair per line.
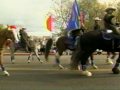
75,34
24,38
97,28
96,24
110,27
108,23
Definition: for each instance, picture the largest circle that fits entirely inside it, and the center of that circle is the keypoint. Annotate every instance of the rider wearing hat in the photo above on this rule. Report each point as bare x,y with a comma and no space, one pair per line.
97,25
108,23
110,26
24,38
74,35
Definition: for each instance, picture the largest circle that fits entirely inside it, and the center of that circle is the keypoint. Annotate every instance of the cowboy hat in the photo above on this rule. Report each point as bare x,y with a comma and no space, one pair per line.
110,8
97,19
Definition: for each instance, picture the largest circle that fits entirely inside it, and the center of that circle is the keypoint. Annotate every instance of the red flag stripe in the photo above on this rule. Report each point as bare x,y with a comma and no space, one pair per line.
49,23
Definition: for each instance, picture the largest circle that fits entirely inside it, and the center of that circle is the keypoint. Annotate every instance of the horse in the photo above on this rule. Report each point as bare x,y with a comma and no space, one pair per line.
62,44
88,43
32,49
7,37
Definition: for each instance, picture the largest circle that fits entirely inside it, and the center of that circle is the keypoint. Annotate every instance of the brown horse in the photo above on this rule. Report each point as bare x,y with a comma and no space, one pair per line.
6,37
62,44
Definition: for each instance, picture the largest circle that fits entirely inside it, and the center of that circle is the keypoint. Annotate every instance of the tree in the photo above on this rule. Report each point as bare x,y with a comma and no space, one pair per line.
118,12
62,10
94,9
91,8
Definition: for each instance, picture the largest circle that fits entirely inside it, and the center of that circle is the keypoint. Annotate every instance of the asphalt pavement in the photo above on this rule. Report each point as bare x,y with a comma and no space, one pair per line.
46,76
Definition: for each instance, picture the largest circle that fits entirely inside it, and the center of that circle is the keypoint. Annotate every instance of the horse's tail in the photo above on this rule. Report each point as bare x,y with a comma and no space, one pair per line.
48,47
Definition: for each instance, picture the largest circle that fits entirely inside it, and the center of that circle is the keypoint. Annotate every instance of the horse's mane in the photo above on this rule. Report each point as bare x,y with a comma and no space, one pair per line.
3,32
2,37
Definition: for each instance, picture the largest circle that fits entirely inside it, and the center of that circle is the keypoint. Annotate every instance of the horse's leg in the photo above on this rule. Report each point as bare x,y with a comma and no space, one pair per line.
1,64
29,57
36,53
32,57
84,57
115,68
92,61
109,59
57,58
75,59
12,51
113,55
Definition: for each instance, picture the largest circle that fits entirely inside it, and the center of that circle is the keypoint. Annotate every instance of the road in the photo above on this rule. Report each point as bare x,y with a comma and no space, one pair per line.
37,76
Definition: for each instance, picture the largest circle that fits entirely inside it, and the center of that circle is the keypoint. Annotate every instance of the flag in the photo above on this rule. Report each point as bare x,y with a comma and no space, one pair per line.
73,22
50,23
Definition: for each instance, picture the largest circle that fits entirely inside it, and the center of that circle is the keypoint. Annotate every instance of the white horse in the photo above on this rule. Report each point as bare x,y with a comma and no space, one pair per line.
34,46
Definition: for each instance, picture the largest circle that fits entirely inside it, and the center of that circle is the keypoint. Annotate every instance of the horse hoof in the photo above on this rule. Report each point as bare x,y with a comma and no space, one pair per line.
61,67
41,61
86,73
115,71
13,61
95,67
28,61
79,67
47,60
6,73
109,61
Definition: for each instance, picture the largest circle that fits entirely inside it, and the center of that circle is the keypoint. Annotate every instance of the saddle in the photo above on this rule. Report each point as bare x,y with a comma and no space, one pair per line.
111,34
107,35
70,41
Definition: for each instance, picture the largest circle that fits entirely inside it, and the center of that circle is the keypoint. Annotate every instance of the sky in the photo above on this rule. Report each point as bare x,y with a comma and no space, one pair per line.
28,13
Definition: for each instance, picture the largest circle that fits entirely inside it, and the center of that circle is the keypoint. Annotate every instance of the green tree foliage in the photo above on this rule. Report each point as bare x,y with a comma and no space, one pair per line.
62,10
118,13
92,9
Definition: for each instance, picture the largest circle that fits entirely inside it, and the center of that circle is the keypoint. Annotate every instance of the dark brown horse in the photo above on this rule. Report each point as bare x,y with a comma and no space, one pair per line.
62,44
6,37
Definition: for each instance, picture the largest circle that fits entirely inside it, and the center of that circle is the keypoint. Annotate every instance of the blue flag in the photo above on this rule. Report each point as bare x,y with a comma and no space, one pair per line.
73,22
